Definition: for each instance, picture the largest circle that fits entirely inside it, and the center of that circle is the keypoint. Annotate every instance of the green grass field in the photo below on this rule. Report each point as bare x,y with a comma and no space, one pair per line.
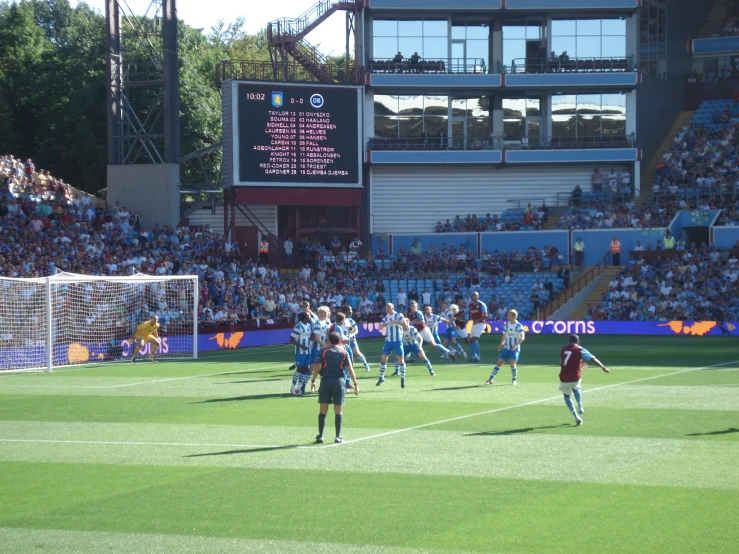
214,455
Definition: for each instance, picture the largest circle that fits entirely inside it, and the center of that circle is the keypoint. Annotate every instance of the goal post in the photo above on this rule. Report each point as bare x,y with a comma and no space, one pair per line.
69,319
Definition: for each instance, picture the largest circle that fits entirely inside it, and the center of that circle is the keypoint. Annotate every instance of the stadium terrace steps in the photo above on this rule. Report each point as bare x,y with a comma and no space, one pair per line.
597,293
649,171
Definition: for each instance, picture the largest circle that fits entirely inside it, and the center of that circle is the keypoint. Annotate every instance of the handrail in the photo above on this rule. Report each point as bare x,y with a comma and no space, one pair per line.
290,71
527,200
446,65
590,197
576,287
294,26
433,143
558,65
565,143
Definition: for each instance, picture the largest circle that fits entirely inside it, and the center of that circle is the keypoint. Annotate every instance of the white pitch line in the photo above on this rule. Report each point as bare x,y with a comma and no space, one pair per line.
486,412
124,443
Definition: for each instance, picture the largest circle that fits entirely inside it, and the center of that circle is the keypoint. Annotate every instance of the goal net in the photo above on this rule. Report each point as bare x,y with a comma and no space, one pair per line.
69,319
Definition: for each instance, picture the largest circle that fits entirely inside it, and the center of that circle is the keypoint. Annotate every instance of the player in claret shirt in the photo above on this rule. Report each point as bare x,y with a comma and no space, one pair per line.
478,312
572,362
417,319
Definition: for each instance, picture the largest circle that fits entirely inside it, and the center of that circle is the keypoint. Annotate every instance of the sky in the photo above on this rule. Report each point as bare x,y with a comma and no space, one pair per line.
330,34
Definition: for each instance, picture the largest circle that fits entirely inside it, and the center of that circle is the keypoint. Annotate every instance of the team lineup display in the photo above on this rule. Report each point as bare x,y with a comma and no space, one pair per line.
298,135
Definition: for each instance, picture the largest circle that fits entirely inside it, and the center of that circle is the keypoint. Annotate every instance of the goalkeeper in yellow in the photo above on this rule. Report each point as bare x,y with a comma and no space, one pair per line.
147,332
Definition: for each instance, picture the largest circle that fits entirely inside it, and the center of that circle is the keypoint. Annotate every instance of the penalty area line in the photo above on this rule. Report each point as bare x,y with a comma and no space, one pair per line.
137,443
523,405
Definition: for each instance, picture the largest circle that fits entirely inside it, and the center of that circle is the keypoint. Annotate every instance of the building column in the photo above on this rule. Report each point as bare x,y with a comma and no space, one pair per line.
496,47
496,113
631,110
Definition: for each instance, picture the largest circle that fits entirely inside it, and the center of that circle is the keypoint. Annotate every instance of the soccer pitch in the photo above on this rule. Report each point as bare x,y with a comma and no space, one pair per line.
214,455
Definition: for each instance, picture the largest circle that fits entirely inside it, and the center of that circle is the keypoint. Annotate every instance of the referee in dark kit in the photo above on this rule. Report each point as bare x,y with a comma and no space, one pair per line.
334,360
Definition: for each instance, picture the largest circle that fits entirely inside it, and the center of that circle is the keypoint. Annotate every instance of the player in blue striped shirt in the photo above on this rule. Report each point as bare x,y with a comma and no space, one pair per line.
319,336
413,344
510,346
301,338
395,325
449,318
351,328
305,306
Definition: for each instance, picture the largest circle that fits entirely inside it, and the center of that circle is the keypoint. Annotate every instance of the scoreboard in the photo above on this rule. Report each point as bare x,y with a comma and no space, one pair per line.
296,135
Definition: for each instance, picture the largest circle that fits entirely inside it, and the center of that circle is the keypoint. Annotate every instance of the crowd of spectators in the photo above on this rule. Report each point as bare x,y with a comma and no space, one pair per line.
696,283
619,215
730,27
513,220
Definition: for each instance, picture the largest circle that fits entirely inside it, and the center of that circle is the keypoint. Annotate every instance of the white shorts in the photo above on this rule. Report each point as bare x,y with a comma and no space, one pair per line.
462,333
478,329
426,335
567,388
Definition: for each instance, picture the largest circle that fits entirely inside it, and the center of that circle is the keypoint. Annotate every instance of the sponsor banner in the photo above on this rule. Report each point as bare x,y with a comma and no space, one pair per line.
75,353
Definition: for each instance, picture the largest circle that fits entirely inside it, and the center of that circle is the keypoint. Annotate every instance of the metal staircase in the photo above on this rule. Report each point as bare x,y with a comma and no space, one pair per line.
285,37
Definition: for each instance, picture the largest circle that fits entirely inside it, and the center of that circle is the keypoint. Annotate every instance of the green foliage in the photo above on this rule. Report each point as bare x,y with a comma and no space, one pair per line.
53,87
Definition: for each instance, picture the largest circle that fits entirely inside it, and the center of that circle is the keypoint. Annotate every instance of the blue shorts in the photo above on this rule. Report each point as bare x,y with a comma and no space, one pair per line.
507,355
391,346
410,348
451,333
303,358
316,354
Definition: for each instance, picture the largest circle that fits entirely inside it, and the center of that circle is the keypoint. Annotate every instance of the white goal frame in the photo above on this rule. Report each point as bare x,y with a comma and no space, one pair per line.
46,284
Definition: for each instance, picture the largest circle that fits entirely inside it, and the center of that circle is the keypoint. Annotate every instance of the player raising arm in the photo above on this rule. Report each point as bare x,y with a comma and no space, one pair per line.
146,333
571,362
510,346
450,340
395,324
351,327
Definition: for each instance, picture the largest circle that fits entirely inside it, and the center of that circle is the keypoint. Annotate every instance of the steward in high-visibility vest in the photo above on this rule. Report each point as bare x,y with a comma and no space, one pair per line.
264,252
616,251
579,251
669,242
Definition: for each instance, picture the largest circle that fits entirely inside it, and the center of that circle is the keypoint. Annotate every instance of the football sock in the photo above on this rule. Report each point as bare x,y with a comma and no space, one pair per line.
383,367
338,418
428,365
296,378
514,373
476,347
496,369
402,371
578,398
321,423
460,349
363,360
304,378
397,367
442,349
570,405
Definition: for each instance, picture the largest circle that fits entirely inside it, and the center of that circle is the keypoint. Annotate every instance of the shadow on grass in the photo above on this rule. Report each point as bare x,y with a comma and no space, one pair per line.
728,431
244,451
253,381
256,371
460,388
516,431
247,397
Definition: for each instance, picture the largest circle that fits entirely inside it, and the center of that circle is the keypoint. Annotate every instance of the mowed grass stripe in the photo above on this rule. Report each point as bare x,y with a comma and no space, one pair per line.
17,541
451,513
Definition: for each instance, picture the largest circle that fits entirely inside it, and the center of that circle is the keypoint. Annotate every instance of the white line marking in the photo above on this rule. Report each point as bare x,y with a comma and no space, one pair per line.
467,416
123,443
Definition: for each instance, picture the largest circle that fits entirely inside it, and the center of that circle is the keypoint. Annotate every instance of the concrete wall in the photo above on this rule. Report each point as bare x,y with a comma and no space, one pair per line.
598,242
151,190
725,236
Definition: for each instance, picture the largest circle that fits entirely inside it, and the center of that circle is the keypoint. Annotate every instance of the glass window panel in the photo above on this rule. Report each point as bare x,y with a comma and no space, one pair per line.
459,31
479,107
564,44
588,47
514,50
410,105
513,128
588,27
434,126
478,127
588,125
533,107
563,125
613,27
409,45
564,104
588,103
386,104
410,126
384,28
436,105
434,48
564,27
533,32
514,31
613,47
386,127
410,28
477,50
459,107
614,104
614,125
513,107
435,28
478,32
384,48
